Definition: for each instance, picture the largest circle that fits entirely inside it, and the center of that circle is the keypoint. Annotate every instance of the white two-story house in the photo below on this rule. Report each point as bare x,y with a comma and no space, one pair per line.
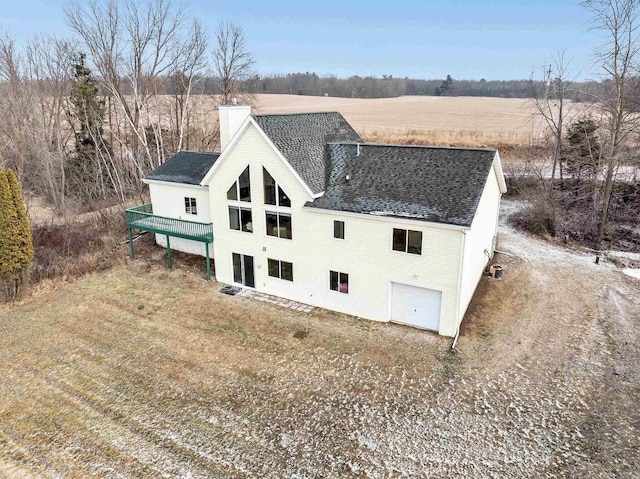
300,207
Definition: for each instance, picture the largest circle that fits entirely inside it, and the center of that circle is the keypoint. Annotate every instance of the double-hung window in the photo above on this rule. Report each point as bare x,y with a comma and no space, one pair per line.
407,241
190,206
280,269
279,225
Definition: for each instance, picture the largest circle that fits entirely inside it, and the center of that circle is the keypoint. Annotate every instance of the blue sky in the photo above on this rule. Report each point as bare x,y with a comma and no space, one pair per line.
494,39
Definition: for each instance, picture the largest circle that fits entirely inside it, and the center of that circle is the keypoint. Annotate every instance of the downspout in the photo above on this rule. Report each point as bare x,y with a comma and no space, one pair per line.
460,270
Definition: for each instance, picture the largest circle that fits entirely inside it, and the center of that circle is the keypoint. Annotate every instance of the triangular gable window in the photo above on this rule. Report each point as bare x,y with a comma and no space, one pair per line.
273,194
241,188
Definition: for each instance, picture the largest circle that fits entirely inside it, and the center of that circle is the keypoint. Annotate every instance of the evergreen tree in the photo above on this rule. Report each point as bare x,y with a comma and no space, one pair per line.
16,245
9,264
87,109
23,239
446,88
582,155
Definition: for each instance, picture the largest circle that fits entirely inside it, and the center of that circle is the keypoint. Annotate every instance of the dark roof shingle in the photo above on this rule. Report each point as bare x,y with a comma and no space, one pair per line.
440,185
188,167
302,140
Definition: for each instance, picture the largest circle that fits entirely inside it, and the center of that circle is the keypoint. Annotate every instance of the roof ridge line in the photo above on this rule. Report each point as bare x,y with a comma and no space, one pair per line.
434,147
298,113
199,152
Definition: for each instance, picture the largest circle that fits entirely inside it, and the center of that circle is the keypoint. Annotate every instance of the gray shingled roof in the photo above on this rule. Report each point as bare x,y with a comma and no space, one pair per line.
302,140
188,167
441,185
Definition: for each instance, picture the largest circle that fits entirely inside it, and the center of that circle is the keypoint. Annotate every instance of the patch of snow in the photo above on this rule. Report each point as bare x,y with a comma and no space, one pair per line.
634,273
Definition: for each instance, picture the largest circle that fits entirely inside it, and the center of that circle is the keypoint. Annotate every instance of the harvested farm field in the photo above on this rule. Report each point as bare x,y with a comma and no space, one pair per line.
505,115
138,371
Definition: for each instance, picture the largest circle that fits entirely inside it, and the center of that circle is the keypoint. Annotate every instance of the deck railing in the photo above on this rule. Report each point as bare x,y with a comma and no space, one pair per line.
142,218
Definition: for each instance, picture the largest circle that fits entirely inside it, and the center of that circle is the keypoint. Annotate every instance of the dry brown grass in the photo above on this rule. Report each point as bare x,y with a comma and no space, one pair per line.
504,115
465,121
507,124
143,372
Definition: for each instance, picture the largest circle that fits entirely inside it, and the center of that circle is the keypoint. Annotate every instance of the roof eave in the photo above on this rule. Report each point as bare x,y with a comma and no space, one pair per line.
151,181
397,219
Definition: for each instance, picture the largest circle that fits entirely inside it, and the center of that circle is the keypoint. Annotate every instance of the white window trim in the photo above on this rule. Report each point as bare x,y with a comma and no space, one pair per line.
277,185
193,203
233,283
277,213
344,230
237,183
338,290
280,261
240,218
406,242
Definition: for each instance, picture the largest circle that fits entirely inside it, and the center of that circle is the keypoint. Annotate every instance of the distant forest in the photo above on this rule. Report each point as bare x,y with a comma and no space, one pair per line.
388,86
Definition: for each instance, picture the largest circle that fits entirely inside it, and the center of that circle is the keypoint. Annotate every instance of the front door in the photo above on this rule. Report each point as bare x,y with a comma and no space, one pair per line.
243,270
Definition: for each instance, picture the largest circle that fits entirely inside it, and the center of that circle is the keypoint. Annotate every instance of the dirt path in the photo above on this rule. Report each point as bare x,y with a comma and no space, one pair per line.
158,375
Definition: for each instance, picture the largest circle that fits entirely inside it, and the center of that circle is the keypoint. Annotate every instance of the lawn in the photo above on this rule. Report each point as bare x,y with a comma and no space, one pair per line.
136,373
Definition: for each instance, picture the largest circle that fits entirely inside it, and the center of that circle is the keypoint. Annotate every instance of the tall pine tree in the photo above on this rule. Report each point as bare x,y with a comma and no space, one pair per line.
85,170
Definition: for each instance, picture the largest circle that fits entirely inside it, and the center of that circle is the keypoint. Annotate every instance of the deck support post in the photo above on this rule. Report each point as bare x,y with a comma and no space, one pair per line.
206,246
169,253
131,253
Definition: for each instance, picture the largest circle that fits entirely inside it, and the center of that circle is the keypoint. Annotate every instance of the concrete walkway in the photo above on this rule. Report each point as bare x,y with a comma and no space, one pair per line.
267,298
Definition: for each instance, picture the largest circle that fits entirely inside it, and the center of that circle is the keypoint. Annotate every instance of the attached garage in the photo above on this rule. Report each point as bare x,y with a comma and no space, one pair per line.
415,306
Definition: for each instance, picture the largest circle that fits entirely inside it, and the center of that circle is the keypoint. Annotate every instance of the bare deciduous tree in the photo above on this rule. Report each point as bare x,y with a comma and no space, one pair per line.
34,128
189,71
551,104
133,48
618,20
232,61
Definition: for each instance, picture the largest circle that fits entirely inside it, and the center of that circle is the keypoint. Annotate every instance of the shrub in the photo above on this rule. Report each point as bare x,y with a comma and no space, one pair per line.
16,246
79,247
538,218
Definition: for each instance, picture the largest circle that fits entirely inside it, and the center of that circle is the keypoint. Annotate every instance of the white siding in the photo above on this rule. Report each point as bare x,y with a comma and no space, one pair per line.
365,253
480,238
231,118
168,200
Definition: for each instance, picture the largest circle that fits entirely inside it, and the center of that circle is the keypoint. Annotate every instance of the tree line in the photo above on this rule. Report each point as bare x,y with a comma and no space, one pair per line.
309,83
592,149
85,117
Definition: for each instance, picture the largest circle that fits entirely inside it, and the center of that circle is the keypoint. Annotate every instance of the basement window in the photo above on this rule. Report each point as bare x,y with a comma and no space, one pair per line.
240,219
280,269
190,206
241,189
339,282
407,241
279,225
273,194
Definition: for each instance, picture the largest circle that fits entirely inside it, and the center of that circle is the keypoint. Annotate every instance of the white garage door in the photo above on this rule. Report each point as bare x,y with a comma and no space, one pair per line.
419,307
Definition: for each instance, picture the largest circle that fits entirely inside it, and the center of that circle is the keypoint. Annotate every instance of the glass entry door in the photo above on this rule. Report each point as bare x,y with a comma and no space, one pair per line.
243,270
